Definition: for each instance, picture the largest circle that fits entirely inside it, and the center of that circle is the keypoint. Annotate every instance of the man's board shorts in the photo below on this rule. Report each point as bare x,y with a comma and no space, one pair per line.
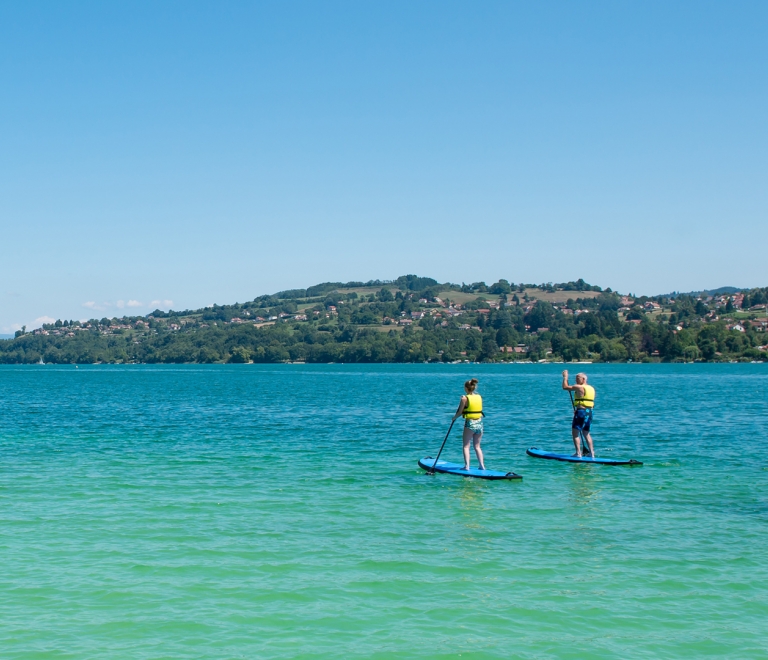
474,425
582,419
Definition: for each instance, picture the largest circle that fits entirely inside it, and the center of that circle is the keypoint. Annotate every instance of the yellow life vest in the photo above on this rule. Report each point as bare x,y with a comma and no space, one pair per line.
588,400
474,407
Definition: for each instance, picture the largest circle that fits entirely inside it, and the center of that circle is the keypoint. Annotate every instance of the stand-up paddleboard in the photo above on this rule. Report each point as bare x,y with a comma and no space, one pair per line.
454,468
540,453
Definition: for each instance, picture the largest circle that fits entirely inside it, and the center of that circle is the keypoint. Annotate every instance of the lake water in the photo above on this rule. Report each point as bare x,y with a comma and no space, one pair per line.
256,511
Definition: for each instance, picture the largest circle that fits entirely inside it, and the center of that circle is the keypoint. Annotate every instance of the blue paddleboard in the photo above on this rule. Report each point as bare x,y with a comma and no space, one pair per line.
540,453
455,468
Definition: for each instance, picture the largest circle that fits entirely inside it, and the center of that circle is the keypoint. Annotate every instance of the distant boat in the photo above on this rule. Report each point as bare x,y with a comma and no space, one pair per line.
41,361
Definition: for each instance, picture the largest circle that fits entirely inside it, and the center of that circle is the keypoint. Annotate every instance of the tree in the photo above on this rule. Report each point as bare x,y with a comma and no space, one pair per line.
506,337
708,349
613,351
691,353
502,286
540,316
385,295
591,325
240,355
490,350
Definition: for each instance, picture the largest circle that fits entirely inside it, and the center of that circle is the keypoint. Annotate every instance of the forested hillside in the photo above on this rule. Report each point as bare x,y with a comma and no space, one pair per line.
416,319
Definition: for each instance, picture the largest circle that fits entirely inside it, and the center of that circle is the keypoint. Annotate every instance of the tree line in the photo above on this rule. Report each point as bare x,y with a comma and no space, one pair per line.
349,327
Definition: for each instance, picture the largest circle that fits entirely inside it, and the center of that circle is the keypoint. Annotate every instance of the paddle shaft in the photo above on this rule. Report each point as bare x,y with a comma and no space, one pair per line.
432,471
584,445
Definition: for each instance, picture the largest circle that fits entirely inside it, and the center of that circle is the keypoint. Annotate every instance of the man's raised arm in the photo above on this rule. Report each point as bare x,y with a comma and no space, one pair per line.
571,388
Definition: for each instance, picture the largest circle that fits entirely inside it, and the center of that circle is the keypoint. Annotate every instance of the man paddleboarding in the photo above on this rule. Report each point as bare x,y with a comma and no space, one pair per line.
471,409
583,404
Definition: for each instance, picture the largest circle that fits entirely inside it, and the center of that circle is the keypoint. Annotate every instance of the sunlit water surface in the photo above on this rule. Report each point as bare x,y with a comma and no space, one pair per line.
251,511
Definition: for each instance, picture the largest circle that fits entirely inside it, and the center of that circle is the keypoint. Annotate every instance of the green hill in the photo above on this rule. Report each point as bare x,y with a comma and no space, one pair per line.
416,319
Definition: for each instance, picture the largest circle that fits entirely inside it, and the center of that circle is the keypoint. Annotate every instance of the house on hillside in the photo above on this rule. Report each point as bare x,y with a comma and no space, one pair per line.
519,349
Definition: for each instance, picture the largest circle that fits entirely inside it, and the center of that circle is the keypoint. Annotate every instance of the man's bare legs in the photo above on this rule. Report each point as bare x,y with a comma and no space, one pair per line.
577,442
475,439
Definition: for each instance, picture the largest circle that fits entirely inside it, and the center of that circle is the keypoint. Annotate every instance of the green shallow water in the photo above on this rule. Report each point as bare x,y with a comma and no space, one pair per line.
252,511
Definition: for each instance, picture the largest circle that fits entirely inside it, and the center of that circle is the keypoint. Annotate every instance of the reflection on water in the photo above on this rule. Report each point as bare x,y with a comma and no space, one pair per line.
584,484
471,496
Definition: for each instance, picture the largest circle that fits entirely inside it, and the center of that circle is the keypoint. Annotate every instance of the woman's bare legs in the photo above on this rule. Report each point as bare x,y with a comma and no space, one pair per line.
466,438
474,438
476,442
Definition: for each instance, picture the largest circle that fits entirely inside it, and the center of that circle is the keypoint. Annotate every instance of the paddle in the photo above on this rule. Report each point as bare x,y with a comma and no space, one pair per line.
432,471
584,445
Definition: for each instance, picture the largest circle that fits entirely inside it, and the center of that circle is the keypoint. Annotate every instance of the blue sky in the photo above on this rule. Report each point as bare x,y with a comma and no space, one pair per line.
188,153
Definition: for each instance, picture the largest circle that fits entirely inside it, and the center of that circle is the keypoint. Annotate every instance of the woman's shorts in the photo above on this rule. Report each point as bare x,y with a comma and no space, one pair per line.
474,425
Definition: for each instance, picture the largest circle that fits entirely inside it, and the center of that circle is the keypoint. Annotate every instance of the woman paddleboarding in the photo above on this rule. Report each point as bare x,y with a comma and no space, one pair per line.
471,409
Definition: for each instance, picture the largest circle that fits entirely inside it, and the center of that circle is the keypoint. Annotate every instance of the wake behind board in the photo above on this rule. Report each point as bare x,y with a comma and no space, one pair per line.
456,468
540,453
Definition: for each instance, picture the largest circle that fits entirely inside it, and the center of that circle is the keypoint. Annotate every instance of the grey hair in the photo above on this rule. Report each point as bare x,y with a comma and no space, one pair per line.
582,374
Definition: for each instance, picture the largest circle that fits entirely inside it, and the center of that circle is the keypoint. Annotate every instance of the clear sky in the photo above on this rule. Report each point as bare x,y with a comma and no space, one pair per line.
212,152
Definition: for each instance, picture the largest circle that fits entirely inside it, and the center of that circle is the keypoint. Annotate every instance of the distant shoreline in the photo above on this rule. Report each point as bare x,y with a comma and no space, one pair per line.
417,319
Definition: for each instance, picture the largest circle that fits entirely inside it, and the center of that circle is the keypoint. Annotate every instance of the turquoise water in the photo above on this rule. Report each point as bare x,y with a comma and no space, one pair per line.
251,511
